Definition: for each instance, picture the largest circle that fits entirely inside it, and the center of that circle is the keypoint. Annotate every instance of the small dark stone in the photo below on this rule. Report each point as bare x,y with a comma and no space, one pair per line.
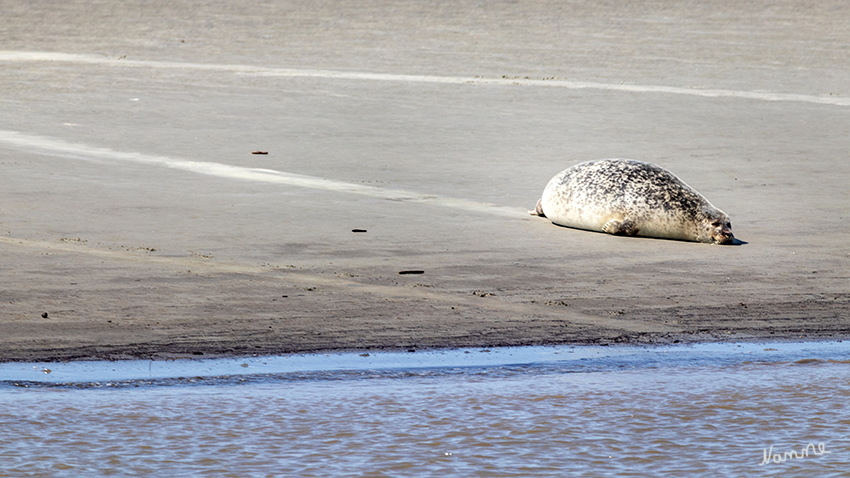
44,315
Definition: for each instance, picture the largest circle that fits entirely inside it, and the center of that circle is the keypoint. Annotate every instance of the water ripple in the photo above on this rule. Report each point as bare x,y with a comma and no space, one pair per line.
606,417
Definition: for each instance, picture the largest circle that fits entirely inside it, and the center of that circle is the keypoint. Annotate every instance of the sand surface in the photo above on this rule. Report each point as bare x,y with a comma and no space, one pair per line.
136,222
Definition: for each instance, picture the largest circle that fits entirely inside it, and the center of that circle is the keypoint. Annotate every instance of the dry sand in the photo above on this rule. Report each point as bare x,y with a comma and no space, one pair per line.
135,222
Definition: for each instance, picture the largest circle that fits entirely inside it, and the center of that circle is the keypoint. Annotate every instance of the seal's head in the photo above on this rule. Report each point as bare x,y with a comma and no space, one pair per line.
716,228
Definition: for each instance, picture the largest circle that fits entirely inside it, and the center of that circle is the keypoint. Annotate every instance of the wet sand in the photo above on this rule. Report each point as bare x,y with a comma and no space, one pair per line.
136,222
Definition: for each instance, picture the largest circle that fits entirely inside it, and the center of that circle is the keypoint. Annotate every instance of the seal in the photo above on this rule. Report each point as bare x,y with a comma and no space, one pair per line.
632,198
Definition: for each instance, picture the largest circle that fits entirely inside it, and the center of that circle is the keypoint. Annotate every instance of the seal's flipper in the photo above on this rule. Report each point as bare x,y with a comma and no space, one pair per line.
620,228
538,211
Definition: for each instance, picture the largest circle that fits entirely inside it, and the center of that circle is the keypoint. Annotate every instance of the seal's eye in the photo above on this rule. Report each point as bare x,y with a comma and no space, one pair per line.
716,223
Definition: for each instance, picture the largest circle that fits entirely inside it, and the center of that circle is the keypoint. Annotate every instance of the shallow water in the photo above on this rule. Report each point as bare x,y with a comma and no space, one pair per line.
706,410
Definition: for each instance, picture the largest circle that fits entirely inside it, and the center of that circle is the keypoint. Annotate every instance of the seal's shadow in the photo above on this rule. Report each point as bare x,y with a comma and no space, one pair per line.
735,242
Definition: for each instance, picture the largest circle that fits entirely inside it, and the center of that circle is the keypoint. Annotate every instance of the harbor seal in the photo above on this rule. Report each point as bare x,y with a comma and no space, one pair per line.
632,198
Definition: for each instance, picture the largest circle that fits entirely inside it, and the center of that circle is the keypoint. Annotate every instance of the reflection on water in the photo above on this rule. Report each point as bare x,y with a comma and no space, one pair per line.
617,412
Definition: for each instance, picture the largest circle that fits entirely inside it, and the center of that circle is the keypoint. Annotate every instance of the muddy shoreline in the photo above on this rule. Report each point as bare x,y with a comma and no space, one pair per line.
238,349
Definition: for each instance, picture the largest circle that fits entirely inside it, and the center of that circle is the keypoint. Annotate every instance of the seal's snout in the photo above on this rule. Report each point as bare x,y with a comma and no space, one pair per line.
720,230
723,236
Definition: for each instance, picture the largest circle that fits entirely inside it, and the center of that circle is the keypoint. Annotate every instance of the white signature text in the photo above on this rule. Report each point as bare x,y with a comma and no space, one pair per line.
781,457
